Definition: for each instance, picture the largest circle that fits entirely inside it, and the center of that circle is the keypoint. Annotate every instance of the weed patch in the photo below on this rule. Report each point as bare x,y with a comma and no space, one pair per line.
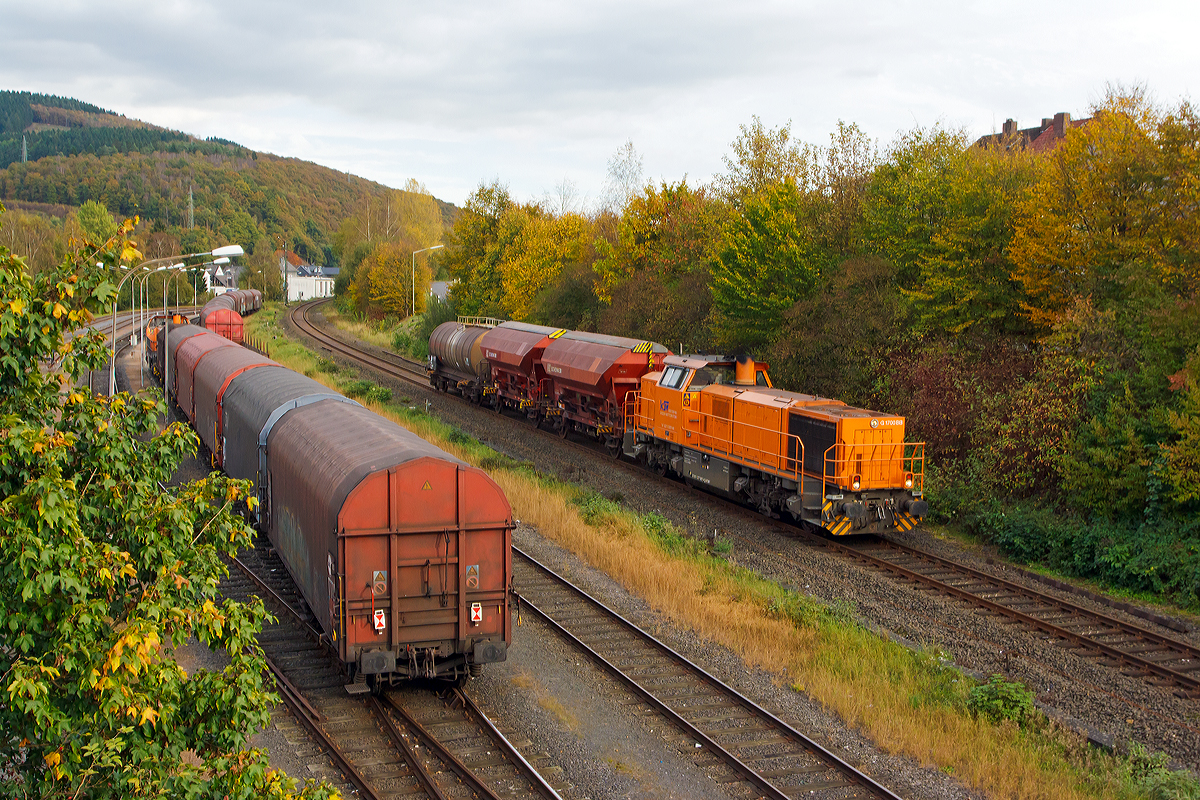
999,700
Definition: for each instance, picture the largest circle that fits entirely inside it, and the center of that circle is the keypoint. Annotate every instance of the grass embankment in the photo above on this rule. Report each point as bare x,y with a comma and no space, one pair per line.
908,702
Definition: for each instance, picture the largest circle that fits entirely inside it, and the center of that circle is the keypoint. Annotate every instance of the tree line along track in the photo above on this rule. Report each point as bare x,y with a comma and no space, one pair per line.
380,747
1161,660
760,750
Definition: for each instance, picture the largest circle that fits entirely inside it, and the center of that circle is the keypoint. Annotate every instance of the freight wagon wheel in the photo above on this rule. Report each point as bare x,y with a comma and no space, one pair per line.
613,447
564,428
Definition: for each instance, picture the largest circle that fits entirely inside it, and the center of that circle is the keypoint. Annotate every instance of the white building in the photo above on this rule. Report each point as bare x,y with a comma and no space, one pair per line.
305,281
305,287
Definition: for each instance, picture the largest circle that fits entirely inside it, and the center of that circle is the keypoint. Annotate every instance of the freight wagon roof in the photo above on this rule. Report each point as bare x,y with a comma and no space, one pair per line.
612,341
248,403
528,327
180,334
510,342
335,448
211,375
587,359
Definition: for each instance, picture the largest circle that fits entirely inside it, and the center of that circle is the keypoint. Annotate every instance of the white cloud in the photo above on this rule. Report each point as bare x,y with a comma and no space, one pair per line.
537,92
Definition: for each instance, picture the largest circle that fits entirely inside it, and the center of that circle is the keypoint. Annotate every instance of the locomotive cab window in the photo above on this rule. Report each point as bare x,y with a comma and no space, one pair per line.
760,378
713,375
672,377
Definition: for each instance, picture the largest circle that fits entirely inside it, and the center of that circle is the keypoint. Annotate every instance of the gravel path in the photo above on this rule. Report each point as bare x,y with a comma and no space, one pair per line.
1098,700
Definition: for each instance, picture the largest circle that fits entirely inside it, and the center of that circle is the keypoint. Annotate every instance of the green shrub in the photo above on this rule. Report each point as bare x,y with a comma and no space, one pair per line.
1000,700
1159,556
1147,774
379,394
458,436
326,365
357,389
593,507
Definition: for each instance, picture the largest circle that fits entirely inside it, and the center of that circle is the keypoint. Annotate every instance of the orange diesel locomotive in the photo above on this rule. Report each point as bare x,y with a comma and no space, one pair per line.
718,423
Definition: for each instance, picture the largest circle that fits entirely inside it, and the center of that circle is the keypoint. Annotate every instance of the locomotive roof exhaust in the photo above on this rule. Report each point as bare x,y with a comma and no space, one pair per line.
744,371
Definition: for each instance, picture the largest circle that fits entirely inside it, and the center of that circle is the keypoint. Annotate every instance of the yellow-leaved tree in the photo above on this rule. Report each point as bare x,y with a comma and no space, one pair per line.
1115,201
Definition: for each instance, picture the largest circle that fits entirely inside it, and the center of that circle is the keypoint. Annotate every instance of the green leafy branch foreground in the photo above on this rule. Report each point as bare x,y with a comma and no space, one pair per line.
103,575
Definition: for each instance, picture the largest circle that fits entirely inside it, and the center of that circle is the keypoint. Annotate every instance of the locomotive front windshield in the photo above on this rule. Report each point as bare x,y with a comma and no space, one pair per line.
672,377
713,375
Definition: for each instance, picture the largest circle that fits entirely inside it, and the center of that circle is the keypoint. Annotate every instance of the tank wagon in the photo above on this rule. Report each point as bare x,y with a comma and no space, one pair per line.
718,423
575,381
223,314
403,552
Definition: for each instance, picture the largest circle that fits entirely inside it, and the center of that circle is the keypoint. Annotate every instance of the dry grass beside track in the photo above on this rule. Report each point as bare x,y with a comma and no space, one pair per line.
908,703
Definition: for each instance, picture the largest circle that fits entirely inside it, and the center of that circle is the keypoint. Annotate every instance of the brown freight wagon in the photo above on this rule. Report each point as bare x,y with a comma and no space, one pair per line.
591,377
402,552
514,351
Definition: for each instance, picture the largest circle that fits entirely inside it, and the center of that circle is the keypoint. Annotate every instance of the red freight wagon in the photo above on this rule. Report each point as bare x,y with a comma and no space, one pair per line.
187,357
591,376
403,552
513,351
212,381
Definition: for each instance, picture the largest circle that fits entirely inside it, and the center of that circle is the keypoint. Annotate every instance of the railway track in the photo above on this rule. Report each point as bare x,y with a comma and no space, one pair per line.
382,747
774,759
1161,660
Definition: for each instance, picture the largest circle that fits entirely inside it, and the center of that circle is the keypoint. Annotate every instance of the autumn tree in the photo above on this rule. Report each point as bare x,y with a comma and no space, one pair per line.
381,233
1118,197
545,244
763,158
33,237
475,247
104,573
771,260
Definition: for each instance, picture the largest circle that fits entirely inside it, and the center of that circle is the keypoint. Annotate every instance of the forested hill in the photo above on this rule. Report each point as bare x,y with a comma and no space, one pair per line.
78,152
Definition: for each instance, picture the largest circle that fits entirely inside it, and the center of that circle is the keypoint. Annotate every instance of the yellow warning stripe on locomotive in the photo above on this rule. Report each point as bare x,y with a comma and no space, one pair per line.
842,526
644,347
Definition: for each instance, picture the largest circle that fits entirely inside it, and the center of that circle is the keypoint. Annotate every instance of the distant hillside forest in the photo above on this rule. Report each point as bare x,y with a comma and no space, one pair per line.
78,152
1032,310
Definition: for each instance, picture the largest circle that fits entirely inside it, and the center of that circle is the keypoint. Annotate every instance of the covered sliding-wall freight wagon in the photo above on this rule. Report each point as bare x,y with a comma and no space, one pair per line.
402,551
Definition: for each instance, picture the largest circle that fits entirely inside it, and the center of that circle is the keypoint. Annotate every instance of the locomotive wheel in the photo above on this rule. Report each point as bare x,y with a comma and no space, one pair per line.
660,468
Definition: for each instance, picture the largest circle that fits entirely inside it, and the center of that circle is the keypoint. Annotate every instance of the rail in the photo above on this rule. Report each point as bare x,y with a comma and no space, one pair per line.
840,459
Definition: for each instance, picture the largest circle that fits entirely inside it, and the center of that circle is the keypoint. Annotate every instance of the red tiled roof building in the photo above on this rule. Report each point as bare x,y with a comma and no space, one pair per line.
1041,139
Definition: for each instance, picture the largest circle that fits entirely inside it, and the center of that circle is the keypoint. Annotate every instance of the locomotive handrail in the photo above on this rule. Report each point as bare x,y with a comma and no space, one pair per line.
637,420
911,458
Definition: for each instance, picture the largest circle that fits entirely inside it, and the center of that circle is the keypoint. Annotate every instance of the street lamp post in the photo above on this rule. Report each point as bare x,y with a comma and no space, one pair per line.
112,366
414,273
227,250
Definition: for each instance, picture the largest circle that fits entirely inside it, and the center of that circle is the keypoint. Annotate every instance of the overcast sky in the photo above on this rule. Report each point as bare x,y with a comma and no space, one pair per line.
539,93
